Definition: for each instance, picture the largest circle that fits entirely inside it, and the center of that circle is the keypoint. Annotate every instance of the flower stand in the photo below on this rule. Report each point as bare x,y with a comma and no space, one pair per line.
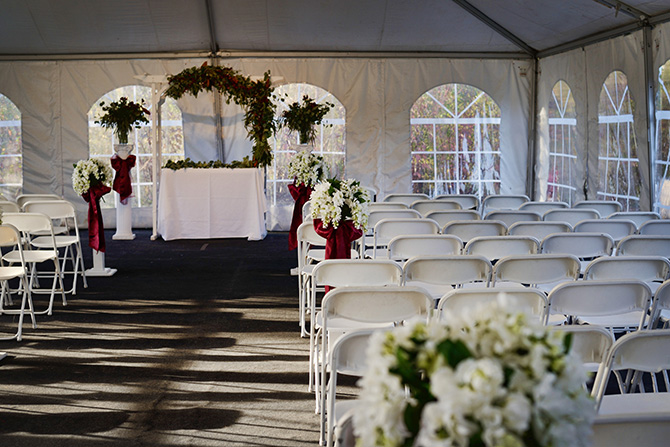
122,163
99,268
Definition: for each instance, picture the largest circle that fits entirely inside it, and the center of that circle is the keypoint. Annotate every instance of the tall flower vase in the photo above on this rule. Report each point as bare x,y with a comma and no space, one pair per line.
338,240
122,162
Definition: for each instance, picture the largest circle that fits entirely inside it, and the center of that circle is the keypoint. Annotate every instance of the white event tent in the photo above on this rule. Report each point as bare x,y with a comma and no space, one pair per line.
377,57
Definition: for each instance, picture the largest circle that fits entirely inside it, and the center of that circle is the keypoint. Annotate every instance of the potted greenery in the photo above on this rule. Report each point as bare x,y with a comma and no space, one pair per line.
303,117
122,116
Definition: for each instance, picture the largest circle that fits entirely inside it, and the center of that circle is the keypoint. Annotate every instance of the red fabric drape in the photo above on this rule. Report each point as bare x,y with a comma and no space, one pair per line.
300,194
96,229
122,183
338,240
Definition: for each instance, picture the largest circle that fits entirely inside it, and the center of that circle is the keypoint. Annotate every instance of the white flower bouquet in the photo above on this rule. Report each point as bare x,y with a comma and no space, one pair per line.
90,172
335,200
490,377
308,168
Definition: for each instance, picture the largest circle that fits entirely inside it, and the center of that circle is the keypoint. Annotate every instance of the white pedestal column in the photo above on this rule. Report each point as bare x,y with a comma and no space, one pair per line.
99,268
124,218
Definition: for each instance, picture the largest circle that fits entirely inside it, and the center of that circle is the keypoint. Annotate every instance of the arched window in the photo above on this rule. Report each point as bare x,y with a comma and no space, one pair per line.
618,166
330,140
11,159
662,159
455,142
101,141
562,154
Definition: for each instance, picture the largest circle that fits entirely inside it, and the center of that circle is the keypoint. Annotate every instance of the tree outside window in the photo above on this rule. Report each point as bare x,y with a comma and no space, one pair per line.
11,158
662,158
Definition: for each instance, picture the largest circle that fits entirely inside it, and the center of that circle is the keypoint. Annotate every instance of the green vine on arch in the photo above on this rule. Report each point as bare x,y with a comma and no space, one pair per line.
253,96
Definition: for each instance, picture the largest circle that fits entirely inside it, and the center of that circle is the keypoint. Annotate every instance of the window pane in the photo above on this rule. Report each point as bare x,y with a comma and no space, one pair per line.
11,159
662,142
561,186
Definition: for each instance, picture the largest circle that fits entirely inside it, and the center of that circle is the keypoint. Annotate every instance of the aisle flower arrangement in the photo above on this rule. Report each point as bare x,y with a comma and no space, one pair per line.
89,173
91,179
489,377
334,201
303,117
307,168
121,116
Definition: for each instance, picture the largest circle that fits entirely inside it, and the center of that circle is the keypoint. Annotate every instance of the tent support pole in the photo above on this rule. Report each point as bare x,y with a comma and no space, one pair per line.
532,133
650,101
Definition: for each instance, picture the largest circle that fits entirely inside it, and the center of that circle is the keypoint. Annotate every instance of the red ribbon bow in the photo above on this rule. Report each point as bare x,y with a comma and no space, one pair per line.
96,229
338,240
300,194
122,183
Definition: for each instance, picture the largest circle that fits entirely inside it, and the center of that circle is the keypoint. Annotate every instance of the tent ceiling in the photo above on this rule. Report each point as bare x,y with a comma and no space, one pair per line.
63,27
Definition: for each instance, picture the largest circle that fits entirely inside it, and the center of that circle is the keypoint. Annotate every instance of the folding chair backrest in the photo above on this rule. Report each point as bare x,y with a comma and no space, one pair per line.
542,207
376,216
639,217
357,272
638,245
509,217
387,229
608,430
571,216
29,222
538,230
403,247
307,233
532,301
447,270
643,268
661,304
22,199
496,247
307,212
444,217
9,235
426,206
604,207
591,343
536,269
467,230
503,202
617,228
655,228
582,245
55,209
9,207
387,206
407,199
467,201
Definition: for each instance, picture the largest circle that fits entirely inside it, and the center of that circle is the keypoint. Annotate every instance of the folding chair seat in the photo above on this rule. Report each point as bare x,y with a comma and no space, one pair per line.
655,228
28,224
638,245
591,343
404,247
407,199
621,305
617,228
509,217
496,247
70,242
586,246
22,199
529,300
626,429
604,207
444,217
542,207
542,271
467,201
10,238
639,217
387,229
427,206
571,216
660,315
467,230
640,352
440,274
9,207
653,270
538,230
386,206
503,202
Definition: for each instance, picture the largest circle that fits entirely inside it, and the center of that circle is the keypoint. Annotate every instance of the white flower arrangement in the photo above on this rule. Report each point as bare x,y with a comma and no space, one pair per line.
335,200
308,168
87,172
490,377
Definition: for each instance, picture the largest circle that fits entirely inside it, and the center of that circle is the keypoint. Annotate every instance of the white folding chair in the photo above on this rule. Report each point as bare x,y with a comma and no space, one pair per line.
467,201
604,207
571,216
307,212
586,246
70,242
308,255
9,207
344,430
591,343
427,206
617,228
653,270
28,224
542,271
655,228
376,216
444,217
10,238
542,207
407,199
638,245
403,247
639,217
624,429
22,199
386,206
538,230
638,352
619,305
467,230
660,315
503,202
440,274
496,247
529,300
387,229
509,217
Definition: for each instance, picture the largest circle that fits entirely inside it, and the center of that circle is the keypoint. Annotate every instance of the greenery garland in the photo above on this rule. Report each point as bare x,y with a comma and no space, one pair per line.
188,163
253,96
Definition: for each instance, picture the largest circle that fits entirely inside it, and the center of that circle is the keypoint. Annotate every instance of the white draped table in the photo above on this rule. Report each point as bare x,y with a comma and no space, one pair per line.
211,203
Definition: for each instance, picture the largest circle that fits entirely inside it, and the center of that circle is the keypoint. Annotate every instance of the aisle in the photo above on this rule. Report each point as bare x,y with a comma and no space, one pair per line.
190,343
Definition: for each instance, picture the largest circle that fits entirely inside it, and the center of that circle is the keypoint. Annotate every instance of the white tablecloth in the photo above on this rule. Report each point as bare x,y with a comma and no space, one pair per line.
211,203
